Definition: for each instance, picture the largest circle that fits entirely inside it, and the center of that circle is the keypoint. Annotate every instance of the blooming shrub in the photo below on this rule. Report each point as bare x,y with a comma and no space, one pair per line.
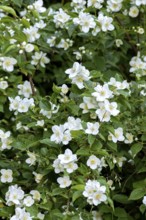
72,110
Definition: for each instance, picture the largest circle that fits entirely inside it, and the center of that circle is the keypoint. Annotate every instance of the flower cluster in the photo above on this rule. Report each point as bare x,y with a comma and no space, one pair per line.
94,192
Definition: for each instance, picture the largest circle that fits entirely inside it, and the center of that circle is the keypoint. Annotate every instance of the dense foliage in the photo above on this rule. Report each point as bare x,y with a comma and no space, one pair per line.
72,110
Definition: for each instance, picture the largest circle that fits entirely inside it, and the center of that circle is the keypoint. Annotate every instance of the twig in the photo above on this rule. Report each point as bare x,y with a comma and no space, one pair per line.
31,84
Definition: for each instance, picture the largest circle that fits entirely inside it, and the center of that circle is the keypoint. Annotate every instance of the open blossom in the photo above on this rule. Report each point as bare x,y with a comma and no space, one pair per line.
140,2
8,63
28,201
64,181
117,136
60,18
6,175
92,128
14,195
38,5
66,162
111,107
31,33
102,93
67,157
21,214
20,105
3,84
40,58
32,158
25,89
88,103
95,3
85,21
78,74
93,162
35,195
94,192
133,12
106,23
73,124
114,5
60,134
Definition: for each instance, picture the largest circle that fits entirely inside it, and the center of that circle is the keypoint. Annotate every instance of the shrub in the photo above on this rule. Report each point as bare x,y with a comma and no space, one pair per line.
72,108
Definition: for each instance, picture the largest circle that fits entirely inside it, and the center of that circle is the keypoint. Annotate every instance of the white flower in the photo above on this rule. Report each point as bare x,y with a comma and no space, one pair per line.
99,196
114,5
31,33
106,23
41,24
6,176
40,216
38,177
51,41
64,181
25,89
111,107
40,123
28,201
60,18
73,123
92,128
29,48
65,44
38,6
119,42
95,3
58,166
117,136
72,72
36,195
78,74
85,21
102,92
88,103
40,58
129,138
14,195
133,12
3,84
119,161
21,214
64,89
93,162
67,157
94,192
57,135
8,63
32,158
144,200
70,167
140,2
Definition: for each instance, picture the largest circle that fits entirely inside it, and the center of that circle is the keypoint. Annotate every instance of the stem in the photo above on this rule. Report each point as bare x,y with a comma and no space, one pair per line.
31,84
128,36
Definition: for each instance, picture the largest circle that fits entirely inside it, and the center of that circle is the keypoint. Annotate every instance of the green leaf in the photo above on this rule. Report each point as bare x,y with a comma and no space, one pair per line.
91,139
76,195
142,208
18,2
136,148
123,199
78,187
137,194
119,212
48,142
8,9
